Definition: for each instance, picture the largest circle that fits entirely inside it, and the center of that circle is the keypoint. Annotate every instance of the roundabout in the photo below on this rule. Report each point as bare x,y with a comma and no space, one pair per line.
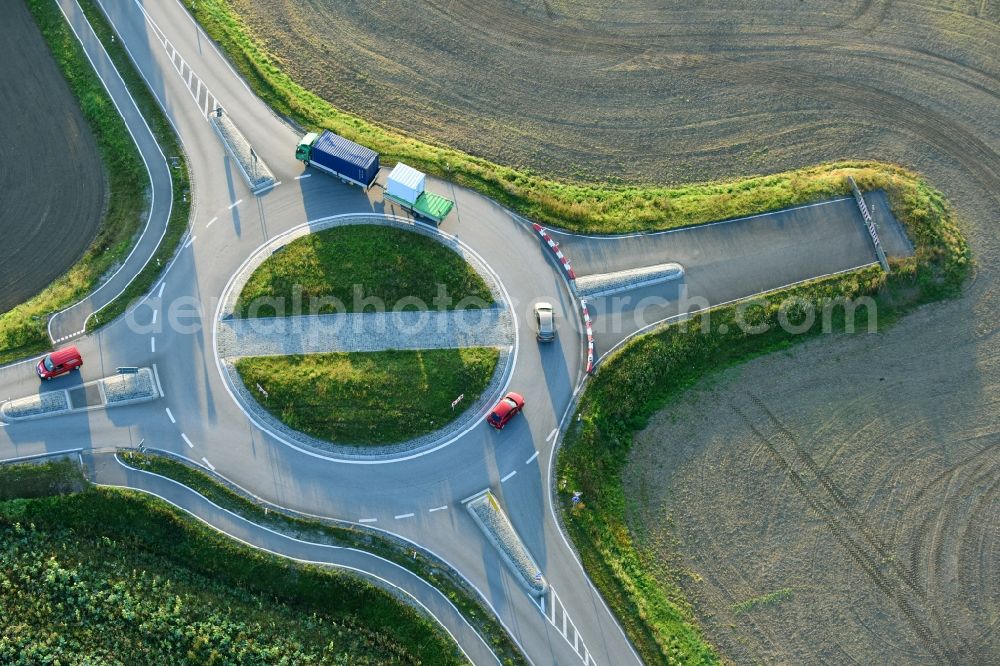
329,331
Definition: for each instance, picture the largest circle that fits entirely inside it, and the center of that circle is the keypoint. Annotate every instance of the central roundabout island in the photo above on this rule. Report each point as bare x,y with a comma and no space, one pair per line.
365,336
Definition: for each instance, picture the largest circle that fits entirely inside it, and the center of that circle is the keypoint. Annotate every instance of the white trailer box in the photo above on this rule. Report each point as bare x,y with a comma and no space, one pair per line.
405,183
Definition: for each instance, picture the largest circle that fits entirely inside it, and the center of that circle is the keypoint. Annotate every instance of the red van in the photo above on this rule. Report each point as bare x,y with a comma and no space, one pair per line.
59,362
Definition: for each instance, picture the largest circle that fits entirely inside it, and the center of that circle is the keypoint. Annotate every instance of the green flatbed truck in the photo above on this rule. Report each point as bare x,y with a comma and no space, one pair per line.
405,188
431,206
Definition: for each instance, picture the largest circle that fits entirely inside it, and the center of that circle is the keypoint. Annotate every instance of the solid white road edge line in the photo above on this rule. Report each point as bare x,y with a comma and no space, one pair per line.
662,232
565,539
186,440
342,566
695,313
482,597
170,415
152,204
48,454
156,376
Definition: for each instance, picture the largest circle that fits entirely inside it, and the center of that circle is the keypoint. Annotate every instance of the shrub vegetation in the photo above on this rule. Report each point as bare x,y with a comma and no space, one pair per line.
113,576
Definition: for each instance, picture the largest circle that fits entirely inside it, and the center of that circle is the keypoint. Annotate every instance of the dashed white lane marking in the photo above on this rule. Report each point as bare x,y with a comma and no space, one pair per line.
186,440
266,188
438,508
155,312
211,222
509,476
403,515
368,520
533,456
170,415
552,434
190,242
152,345
208,464
162,287
235,204
305,175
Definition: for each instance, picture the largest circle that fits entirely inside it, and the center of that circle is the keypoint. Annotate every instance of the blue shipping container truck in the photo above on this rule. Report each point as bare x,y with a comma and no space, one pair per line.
339,157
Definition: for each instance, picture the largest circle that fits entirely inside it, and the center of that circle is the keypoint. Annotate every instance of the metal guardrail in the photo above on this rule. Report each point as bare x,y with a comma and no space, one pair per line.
872,229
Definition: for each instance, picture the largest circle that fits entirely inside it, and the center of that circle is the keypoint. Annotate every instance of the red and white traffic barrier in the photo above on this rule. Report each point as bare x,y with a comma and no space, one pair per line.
555,248
590,336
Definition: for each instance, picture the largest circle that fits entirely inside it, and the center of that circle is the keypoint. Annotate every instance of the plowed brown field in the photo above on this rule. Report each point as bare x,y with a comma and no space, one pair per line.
51,176
838,504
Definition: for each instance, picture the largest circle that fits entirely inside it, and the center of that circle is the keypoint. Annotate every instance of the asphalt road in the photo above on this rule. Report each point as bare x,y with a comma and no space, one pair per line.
418,497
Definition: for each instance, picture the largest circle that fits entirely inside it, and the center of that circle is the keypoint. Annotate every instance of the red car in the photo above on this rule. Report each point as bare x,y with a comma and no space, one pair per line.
59,362
505,410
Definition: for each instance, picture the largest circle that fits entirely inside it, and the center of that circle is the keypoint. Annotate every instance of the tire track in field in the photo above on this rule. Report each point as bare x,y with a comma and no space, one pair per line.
947,136
930,539
851,530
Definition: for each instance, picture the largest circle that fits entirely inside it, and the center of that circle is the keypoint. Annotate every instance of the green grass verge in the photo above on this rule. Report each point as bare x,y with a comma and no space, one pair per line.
431,570
40,479
23,328
336,269
115,575
370,398
598,208
180,211
652,370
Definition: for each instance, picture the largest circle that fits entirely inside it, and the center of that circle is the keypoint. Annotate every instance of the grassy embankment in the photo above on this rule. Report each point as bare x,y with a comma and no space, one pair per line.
109,574
590,207
372,397
23,328
390,265
655,369
431,570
